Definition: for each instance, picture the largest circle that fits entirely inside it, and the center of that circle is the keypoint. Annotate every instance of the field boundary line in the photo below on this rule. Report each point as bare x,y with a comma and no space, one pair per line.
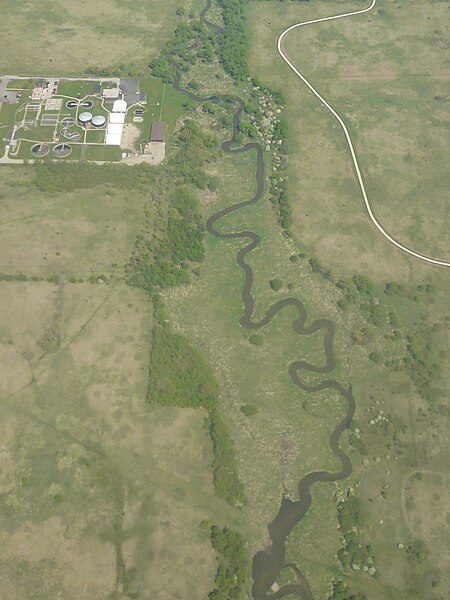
384,233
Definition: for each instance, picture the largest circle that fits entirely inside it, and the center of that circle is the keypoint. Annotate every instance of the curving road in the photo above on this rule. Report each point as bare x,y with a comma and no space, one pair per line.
427,259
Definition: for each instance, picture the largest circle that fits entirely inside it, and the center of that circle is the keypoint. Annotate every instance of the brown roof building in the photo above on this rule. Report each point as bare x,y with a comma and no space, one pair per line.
158,131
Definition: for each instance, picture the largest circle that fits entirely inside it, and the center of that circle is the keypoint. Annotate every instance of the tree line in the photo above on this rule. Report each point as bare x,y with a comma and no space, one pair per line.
180,376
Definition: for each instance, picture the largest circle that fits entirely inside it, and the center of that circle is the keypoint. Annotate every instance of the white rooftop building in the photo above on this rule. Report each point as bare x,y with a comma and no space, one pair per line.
116,120
113,139
119,106
114,134
115,128
117,117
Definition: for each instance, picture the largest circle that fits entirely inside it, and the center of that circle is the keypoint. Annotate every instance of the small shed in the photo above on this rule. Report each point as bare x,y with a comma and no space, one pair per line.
157,132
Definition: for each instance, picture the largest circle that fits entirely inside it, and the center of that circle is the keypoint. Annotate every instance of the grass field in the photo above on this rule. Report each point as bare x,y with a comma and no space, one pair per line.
73,234
101,493
99,490
382,74
67,38
288,435
283,440
386,74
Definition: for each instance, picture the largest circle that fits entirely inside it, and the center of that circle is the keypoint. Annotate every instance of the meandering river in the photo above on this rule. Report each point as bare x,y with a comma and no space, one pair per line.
270,562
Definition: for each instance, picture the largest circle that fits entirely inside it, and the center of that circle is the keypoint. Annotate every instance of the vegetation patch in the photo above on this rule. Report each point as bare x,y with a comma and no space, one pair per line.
232,577
355,554
179,376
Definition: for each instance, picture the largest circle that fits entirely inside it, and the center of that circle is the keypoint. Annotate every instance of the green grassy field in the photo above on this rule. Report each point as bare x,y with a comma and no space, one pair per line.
105,490
382,73
74,234
104,493
385,73
283,440
68,38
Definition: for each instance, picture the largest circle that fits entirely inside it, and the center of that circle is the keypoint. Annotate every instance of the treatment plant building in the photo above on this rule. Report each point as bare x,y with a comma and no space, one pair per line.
116,121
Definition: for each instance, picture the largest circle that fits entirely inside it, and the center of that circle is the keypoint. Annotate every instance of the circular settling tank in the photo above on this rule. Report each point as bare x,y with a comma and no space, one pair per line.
85,117
87,104
40,150
62,150
71,104
68,122
98,121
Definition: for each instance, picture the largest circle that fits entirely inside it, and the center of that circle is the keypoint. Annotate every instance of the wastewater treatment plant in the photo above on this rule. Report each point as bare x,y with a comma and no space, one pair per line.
95,120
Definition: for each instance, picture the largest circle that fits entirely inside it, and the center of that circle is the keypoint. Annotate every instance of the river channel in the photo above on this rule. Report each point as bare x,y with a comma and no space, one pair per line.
269,563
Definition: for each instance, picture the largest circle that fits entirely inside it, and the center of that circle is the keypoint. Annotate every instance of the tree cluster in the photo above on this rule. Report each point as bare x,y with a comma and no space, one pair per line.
341,592
354,553
190,42
226,479
359,290
165,258
233,573
232,47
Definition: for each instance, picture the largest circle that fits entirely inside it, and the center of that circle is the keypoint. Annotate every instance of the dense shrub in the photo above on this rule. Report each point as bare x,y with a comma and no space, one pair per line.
178,374
276,284
341,592
256,339
164,260
249,410
233,572
226,480
68,177
232,47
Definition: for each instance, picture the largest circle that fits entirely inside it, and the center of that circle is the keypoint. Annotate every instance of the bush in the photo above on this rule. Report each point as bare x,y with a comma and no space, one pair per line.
233,45
226,479
249,410
232,575
256,339
178,374
276,284
165,261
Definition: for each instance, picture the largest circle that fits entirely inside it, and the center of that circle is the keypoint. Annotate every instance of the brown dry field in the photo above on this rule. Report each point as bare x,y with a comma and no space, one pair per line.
61,37
387,75
100,496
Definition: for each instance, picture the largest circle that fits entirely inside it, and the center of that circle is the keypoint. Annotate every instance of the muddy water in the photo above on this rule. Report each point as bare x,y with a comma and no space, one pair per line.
270,562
